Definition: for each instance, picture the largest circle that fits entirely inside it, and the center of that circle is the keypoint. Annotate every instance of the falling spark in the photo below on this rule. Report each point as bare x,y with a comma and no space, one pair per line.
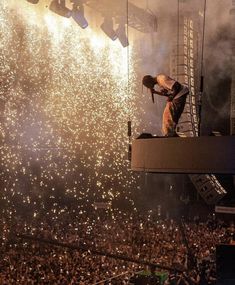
66,104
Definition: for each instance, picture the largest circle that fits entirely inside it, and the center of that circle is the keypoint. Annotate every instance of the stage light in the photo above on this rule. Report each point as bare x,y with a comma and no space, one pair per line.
78,16
121,34
107,28
33,1
58,7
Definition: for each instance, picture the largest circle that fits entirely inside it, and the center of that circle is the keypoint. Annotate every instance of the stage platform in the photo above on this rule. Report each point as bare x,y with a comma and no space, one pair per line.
202,155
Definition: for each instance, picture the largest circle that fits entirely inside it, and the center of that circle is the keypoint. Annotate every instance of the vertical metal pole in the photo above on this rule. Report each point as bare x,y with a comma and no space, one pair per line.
202,71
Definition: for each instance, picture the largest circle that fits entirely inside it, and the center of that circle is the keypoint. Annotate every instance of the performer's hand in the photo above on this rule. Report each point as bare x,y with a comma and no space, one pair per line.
153,91
164,91
170,98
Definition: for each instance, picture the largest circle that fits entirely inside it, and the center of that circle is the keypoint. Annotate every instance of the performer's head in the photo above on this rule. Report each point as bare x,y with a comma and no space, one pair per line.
149,81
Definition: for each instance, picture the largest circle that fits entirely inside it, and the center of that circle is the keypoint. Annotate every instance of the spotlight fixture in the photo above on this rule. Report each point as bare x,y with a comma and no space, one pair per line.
58,7
78,15
107,28
122,36
33,1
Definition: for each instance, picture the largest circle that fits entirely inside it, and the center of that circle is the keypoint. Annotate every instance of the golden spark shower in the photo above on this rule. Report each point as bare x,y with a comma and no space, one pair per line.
65,102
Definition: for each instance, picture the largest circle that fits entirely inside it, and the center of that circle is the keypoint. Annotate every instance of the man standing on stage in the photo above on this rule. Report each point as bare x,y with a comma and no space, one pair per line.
176,94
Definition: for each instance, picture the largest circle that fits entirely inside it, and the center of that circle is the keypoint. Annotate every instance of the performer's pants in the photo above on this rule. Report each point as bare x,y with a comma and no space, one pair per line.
171,115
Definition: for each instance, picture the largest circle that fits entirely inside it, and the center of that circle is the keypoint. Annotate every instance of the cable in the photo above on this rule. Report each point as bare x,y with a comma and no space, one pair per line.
201,72
191,258
178,35
128,59
203,36
128,85
85,248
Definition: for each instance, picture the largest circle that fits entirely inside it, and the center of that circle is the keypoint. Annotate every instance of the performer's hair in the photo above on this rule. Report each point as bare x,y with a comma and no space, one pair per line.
148,81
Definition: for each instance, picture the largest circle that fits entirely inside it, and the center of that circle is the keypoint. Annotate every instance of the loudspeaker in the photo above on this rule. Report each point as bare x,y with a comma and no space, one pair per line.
208,187
225,264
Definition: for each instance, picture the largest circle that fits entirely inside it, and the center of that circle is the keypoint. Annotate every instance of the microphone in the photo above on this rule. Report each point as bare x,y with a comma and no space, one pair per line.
152,93
129,128
129,133
153,97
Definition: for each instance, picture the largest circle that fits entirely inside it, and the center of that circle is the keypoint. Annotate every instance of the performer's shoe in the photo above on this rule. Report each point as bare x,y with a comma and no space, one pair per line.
171,135
178,134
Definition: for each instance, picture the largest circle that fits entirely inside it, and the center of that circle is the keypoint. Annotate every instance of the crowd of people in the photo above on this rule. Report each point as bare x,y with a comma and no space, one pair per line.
190,254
